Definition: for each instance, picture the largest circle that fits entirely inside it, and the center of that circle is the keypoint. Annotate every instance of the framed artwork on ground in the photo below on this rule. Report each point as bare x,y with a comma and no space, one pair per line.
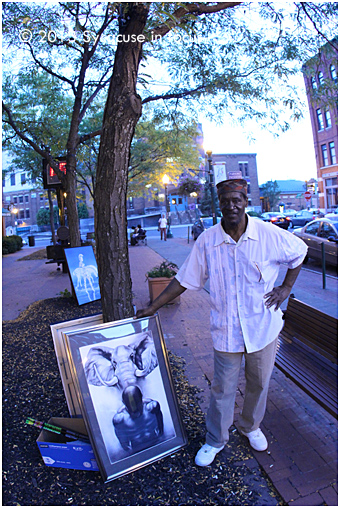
123,382
60,349
83,271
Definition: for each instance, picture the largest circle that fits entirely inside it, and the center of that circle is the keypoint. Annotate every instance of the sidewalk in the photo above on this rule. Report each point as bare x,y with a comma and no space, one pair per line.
302,457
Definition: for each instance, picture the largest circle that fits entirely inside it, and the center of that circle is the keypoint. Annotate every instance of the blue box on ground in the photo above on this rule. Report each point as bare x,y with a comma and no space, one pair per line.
58,451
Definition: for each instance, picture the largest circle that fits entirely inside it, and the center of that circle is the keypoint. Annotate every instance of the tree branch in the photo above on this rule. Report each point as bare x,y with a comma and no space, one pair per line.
49,71
197,9
100,86
90,135
304,8
44,153
177,95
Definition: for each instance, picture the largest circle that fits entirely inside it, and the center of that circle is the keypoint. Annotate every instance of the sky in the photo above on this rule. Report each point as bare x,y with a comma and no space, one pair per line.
291,156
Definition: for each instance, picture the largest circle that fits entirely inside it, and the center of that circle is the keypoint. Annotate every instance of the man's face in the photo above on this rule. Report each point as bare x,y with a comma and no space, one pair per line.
232,205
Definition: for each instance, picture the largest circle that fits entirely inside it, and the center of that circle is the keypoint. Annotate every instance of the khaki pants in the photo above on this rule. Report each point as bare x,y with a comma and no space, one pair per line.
258,369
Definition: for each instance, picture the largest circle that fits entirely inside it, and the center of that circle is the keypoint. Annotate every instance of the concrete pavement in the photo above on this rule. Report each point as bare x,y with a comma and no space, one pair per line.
302,457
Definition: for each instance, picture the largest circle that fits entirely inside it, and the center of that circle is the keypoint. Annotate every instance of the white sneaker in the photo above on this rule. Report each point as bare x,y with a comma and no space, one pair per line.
206,455
257,440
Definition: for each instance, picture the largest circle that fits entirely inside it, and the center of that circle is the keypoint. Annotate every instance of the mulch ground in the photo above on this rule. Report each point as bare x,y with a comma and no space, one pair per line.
32,387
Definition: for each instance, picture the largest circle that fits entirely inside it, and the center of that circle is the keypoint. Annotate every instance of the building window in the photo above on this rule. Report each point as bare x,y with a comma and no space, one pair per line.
320,77
26,198
15,200
246,169
314,83
328,119
324,155
21,214
331,185
334,74
27,213
248,189
332,152
21,199
13,179
23,178
320,120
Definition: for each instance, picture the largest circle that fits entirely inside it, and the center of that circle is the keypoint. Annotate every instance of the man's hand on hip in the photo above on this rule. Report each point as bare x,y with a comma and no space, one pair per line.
276,296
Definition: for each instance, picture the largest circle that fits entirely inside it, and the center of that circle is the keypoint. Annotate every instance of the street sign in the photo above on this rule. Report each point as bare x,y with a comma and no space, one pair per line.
307,195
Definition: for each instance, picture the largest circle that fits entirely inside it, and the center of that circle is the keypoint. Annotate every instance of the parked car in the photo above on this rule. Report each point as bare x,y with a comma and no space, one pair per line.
316,233
317,214
251,213
333,215
201,225
301,218
279,219
290,212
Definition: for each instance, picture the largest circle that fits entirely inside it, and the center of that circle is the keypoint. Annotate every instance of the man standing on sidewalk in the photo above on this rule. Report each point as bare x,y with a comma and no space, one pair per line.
241,256
162,226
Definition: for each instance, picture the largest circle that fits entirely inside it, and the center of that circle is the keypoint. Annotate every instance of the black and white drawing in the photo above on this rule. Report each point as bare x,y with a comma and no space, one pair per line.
123,382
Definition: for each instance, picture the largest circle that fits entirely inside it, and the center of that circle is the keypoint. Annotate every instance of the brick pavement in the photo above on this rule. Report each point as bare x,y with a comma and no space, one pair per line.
301,460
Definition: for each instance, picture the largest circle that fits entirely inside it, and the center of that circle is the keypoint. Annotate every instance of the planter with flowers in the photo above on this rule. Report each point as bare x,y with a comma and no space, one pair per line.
159,278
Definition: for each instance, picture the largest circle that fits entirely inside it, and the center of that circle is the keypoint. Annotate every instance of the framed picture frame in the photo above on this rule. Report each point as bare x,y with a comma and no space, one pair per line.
83,271
123,382
58,330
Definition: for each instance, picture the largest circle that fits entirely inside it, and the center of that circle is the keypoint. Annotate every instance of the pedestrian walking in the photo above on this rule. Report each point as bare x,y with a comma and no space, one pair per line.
162,226
241,255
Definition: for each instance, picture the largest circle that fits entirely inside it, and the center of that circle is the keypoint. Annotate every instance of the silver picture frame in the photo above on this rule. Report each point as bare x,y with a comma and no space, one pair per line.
123,382
57,331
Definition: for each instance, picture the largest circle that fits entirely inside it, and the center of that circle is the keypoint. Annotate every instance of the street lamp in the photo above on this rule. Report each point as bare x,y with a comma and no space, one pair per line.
212,186
165,181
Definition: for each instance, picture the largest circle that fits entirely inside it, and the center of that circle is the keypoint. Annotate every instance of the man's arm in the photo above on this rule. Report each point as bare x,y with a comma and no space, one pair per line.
170,292
280,293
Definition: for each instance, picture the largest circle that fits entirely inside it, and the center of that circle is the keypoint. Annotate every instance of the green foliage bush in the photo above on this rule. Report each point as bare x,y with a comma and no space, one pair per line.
83,212
165,269
43,216
11,244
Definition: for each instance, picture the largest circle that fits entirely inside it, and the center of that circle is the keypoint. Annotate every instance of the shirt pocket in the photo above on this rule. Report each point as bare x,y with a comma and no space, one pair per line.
259,272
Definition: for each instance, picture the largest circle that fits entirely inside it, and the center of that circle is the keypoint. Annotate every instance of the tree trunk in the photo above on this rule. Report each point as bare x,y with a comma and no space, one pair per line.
122,112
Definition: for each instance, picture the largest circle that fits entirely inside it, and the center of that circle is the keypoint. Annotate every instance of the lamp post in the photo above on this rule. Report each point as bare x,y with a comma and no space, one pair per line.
212,186
165,181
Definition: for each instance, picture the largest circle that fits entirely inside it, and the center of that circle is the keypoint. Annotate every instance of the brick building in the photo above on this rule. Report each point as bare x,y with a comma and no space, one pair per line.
320,76
246,163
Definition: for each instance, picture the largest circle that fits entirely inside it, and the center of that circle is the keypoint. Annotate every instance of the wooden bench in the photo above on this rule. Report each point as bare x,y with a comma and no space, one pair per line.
308,352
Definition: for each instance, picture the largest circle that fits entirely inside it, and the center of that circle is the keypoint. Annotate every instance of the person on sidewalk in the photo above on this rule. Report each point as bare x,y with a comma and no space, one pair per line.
241,255
162,226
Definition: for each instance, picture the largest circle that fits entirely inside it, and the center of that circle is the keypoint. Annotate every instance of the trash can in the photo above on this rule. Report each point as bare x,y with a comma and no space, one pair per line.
31,241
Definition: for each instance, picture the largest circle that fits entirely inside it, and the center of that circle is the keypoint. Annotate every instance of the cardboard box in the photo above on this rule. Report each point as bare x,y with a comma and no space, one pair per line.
58,451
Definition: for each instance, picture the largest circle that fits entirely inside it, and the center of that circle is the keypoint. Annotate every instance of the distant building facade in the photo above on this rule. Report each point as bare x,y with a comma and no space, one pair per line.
292,195
23,197
321,77
246,164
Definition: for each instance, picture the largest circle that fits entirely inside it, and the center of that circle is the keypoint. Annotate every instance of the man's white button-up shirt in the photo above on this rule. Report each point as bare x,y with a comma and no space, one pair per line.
240,275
